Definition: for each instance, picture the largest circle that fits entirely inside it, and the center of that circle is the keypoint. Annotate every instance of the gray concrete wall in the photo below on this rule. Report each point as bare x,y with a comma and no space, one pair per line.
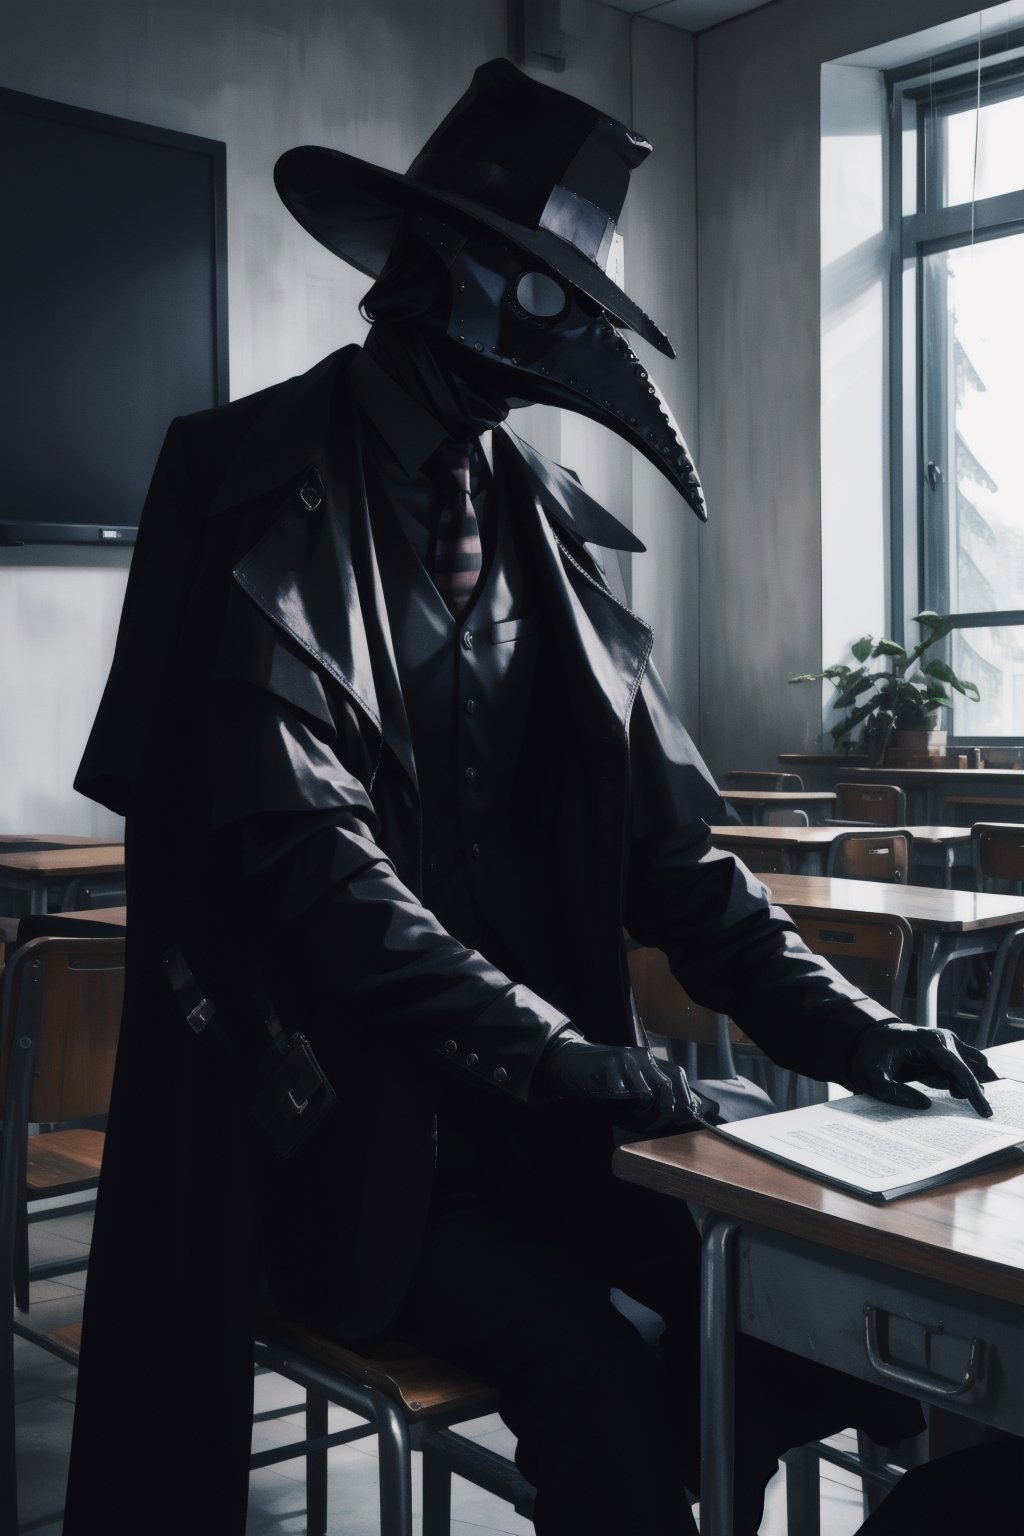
758,168
373,77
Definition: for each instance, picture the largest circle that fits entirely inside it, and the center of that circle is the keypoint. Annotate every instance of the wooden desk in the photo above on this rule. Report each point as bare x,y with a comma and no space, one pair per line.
931,792
40,842
114,918
948,925
810,845
755,802
44,876
923,1295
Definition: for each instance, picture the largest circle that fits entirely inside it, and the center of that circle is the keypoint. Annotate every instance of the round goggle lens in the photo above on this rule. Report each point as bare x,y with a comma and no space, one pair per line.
539,295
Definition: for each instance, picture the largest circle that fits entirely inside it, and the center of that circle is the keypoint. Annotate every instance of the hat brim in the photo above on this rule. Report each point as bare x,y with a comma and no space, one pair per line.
355,209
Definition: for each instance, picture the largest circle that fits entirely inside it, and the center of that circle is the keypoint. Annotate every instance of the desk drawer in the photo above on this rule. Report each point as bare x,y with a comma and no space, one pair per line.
888,1326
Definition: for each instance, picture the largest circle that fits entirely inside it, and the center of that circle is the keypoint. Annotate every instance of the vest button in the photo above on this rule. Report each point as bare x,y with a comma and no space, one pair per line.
472,1060
450,1048
477,851
500,1075
470,775
471,706
467,640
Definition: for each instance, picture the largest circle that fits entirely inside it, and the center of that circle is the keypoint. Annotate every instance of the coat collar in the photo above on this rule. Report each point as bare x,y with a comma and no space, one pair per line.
314,572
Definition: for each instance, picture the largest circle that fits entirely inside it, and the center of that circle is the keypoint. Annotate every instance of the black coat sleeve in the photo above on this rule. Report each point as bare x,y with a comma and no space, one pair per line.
726,943
290,791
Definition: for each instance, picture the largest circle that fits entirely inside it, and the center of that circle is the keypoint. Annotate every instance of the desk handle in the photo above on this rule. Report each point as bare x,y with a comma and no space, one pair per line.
917,1381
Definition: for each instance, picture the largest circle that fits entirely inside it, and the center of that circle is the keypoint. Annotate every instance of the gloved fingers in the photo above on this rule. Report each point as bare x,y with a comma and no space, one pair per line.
943,1060
653,1096
891,1092
975,1059
684,1100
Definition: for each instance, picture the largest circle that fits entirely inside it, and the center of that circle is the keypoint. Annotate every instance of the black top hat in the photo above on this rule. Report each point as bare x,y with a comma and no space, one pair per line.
543,170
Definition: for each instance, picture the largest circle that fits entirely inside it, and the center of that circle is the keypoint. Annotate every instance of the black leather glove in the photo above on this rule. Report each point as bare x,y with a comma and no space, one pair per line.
623,1081
886,1056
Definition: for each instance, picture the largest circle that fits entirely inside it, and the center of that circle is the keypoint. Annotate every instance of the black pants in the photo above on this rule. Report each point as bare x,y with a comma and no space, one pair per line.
514,1285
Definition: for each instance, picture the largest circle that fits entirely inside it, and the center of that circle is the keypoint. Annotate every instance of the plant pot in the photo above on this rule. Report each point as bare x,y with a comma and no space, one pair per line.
917,749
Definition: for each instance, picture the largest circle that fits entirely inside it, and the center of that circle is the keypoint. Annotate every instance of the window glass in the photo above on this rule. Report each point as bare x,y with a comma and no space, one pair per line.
983,150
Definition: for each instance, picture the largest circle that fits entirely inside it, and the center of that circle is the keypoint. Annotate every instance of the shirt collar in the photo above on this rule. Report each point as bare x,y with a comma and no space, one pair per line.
410,432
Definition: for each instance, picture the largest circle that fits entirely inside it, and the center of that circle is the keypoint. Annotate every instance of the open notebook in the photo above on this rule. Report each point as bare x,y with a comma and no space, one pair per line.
881,1152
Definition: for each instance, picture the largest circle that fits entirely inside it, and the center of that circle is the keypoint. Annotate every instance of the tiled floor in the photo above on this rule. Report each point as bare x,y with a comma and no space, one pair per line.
45,1390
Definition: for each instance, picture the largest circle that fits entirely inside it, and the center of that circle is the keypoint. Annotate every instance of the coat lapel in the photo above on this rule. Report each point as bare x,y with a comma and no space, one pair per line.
606,645
313,571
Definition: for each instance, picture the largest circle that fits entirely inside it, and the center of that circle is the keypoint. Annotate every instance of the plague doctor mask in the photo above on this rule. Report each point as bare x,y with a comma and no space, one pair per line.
517,193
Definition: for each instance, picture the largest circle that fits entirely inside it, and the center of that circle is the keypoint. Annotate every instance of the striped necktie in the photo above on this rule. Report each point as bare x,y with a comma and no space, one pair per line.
456,554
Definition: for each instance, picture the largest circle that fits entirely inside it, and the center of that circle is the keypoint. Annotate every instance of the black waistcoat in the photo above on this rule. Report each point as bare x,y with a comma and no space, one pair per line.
467,685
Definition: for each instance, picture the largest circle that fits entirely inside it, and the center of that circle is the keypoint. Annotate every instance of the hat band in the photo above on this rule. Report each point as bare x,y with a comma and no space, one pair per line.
584,225
575,219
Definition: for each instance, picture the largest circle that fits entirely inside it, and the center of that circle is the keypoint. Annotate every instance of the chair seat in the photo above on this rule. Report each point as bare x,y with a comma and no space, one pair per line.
420,1384
63,1162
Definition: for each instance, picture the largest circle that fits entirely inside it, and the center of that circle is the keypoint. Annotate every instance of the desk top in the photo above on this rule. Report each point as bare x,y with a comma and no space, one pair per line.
97,859
111,917
925,907
823,837
782,797
29,842
858,769
969,1234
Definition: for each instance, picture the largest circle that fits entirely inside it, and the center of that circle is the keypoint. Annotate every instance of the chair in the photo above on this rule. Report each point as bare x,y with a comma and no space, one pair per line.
411,1401
60,1013
750,778
872,856
1002,1010
872,951
880,805
667,1009
997,854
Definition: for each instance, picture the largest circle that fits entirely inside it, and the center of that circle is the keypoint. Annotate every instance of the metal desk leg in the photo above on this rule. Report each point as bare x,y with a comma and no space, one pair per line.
930,964
717,1386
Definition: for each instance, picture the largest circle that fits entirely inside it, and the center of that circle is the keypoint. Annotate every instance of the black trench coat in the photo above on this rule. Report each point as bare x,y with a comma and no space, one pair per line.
253,733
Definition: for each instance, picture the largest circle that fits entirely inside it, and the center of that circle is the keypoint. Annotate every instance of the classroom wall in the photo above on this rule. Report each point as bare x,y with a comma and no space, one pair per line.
373,77
758,197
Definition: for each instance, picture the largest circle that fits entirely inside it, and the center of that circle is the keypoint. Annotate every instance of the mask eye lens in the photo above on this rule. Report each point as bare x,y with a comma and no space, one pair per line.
539,295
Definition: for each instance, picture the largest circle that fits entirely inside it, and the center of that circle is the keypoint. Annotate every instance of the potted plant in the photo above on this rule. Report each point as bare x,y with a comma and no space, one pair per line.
884,700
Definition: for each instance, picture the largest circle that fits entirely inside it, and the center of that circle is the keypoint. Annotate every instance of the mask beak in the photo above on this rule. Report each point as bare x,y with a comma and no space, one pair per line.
593,370
529,337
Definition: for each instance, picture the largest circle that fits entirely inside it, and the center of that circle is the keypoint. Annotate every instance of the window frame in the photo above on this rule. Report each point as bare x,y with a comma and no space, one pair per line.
917,100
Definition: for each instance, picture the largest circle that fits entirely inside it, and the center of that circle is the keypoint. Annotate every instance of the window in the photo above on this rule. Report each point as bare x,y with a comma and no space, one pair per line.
957,195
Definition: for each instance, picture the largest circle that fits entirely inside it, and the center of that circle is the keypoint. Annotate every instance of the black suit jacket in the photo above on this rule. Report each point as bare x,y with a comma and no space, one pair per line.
253,733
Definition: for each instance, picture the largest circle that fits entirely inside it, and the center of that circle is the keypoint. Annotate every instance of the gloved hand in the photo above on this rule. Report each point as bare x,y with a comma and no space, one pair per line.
623,1081
885,1056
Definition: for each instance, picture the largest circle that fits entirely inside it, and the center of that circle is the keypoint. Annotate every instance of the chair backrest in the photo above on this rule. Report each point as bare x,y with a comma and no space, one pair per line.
667,1009
871,951
883,804
766,858
871,856
997,851
786,818
750,778
59,1020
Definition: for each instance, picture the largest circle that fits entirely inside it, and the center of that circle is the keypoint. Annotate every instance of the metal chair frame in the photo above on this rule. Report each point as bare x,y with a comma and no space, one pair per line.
21,1018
